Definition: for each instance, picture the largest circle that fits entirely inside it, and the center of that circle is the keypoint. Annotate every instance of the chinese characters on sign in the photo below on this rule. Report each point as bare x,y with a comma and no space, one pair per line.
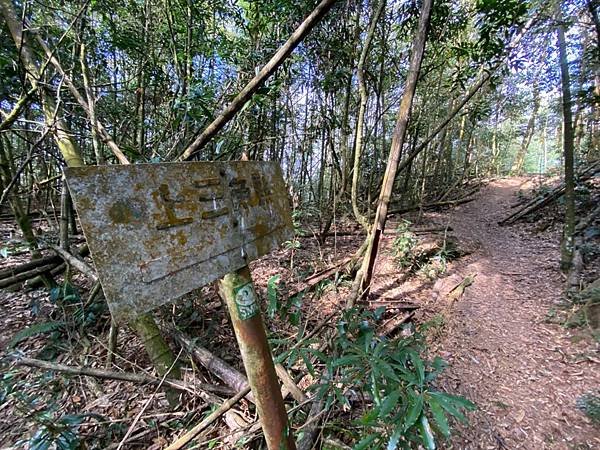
158,231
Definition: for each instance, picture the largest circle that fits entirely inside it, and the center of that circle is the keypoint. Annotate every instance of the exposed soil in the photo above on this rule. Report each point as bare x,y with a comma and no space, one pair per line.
523,373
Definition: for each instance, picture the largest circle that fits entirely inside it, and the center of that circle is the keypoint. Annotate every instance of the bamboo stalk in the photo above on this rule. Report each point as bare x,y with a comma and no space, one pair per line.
12,271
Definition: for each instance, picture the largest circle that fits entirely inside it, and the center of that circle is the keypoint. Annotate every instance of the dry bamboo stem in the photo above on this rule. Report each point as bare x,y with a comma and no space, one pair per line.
226,406
121,376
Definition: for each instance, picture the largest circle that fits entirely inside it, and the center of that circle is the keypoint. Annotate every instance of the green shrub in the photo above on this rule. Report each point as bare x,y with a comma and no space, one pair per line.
392,379
404,244
589,404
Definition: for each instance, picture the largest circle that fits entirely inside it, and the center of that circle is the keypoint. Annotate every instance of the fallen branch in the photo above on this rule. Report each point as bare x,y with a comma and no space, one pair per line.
553,195
6,282
456,202
392,324
37,281
387,231
12,271
323,274
121,376
289,383
75,262
311,429
196,430
457,291
229,375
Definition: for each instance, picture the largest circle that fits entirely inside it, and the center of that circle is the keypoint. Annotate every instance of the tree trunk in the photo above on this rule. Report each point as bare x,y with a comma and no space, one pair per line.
517,167
363,277
360,121
566,258
155,344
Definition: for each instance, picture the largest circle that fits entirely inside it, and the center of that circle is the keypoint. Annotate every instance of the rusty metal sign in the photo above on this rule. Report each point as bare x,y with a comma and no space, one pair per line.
158,231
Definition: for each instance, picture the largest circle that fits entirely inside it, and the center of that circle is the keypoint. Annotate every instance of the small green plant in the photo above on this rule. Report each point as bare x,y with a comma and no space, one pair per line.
65,293
61,433
589,404
433,267
393,380
34,330
36,400
67,297
434,326
290,309
404,244
294,243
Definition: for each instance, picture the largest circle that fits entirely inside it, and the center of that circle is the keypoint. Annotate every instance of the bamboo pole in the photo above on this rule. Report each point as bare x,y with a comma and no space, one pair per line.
238,291
248,91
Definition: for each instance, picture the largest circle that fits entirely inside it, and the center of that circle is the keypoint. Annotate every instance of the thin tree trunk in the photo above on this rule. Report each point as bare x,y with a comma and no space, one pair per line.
517,167
360,122
364,275
566,259
157,348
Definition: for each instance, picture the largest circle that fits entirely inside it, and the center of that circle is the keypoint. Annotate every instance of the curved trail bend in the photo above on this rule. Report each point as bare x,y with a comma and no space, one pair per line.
524,373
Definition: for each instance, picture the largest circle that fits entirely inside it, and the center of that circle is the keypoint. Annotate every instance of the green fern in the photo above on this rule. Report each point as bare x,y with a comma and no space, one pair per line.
38,328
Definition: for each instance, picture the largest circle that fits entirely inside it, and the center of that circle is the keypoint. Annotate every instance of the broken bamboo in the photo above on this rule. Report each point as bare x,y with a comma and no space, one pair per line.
225,406
541,201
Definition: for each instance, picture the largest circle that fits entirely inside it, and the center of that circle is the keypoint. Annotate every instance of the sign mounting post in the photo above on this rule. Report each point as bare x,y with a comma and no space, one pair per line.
158,231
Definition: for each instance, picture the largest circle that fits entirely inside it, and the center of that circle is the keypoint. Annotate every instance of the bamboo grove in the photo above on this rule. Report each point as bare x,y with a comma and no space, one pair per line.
105,82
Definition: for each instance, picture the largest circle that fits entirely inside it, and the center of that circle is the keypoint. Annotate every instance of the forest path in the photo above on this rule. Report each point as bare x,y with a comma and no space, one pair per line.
524,373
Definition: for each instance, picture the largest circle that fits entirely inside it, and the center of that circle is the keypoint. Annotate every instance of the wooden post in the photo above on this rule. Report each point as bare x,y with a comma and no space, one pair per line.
238,291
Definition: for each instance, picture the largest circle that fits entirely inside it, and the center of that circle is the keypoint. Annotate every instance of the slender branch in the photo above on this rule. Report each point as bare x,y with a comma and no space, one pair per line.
121,376
248,91
226,406
106,137
80,265
13,115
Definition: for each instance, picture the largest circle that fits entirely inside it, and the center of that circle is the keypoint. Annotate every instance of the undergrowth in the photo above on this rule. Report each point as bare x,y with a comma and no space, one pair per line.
589,404
425,263
36,399
382,390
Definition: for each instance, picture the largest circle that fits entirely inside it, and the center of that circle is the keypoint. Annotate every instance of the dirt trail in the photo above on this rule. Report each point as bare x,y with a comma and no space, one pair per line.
524,374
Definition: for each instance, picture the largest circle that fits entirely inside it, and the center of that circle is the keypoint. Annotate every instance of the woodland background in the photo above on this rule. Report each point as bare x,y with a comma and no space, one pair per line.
505,88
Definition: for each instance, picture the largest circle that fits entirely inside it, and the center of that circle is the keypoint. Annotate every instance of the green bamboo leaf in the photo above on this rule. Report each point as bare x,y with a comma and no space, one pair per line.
307,362
272,293
452,404
438,366
33,330
370,417
426,433
346,360
389,403
439,416
394,439
414,410
419,366
365,442
408,376
387,370
320,355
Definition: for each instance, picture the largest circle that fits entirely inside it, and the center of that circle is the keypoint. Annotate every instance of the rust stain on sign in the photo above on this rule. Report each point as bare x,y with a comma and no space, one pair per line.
158,231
